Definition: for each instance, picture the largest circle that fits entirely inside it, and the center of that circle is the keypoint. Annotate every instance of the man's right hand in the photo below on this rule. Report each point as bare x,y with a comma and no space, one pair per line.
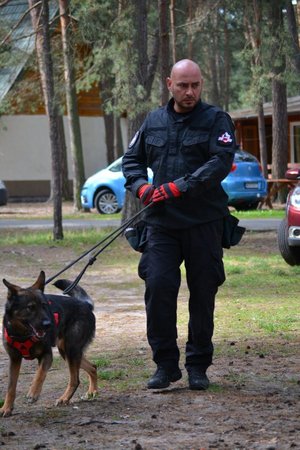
145,193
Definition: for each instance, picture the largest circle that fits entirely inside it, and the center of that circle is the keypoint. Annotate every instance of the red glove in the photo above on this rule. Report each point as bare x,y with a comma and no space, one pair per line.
165,191
145,193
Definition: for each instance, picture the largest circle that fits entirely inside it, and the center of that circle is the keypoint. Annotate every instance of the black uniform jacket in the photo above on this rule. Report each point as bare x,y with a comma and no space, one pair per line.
194,150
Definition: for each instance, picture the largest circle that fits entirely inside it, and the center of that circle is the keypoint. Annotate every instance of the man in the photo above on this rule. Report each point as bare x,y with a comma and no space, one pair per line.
190,147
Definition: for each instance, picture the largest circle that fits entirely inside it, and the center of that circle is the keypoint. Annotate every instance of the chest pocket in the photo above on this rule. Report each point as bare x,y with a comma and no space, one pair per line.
195,150
155,149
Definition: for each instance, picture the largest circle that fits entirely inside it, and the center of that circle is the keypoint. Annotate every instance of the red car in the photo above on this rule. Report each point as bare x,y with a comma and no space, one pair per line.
289,229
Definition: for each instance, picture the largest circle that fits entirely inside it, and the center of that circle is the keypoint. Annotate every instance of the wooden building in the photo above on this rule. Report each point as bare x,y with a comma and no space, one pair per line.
246,123
25,154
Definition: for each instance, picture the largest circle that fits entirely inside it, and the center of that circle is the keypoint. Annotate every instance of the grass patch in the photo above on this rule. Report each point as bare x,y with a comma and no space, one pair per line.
257,308
72,238
80,241
216,388
123,369
92,215
113,374
260,214
102,362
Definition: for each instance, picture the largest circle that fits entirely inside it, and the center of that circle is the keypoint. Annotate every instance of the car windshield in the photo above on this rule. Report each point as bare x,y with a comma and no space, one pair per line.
116,166
242,156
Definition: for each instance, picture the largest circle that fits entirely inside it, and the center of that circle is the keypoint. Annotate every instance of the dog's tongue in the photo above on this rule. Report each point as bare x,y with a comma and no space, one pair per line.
38,333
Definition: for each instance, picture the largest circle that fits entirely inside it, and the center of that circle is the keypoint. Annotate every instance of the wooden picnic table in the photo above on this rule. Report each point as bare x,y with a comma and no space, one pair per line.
274,186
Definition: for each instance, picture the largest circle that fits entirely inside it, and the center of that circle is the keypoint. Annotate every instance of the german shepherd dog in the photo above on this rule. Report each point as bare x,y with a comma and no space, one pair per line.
35,322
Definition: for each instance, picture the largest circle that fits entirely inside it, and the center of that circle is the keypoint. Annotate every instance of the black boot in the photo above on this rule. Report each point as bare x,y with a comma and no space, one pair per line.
198,380
162,378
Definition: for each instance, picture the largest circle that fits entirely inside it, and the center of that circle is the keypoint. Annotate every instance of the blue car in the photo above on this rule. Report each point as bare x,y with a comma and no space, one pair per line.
105,190
245,186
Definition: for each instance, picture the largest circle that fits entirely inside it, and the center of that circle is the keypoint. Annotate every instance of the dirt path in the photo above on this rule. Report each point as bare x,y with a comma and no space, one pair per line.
253,403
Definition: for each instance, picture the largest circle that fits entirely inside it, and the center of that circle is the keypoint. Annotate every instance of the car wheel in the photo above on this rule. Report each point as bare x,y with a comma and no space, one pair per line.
106,202
246,206
291,255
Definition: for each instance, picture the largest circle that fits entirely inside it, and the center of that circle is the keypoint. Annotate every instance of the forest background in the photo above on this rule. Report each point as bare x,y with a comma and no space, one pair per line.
248,51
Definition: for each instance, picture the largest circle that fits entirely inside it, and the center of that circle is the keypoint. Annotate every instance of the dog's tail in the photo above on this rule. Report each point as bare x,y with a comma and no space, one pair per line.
77,291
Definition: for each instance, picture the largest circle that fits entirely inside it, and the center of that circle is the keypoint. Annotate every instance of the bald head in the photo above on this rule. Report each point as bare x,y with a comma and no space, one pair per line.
185,66
185,84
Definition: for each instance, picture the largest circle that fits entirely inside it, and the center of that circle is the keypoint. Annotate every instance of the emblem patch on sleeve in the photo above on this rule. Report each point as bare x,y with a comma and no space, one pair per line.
225,138
134,139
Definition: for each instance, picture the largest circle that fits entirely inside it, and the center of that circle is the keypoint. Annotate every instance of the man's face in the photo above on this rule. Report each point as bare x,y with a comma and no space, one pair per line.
185,87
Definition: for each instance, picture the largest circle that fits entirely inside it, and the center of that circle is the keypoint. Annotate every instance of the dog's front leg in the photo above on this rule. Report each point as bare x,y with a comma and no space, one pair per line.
14,370
36,386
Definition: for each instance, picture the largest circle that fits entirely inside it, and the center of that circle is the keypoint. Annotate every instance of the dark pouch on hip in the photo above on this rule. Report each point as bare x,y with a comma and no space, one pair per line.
137,236
232,232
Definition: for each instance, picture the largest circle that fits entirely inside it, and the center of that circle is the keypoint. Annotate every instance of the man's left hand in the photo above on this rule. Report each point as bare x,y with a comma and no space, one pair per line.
166,191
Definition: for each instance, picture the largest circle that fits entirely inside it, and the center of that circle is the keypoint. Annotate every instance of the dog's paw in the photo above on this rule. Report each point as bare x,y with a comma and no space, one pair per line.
31,398
90,395
5,412
62,401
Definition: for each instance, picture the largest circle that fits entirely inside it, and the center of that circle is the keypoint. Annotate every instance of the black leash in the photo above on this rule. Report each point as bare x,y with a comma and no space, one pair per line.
108,239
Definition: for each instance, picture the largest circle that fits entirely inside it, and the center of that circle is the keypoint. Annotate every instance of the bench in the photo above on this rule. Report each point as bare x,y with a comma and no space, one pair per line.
276,184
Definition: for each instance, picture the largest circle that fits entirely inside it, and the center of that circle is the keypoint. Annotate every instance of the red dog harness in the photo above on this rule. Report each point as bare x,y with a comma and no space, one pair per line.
24,346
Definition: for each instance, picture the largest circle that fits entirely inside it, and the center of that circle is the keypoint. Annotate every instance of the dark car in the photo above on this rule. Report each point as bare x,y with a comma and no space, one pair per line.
288,235
3,194
245,185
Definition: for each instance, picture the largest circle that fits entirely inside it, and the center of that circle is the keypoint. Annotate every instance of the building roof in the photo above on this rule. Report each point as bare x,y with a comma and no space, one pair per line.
14,15
293,107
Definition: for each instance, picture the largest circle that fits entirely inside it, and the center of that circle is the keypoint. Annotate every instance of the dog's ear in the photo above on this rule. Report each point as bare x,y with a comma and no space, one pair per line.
12,288
40,282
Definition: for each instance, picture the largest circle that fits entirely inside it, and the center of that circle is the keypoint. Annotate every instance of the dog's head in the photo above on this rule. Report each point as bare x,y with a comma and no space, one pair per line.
26,309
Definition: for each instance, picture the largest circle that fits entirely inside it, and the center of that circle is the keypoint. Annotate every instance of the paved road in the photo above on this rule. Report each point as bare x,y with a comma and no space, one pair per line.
250,224
67,223
261,224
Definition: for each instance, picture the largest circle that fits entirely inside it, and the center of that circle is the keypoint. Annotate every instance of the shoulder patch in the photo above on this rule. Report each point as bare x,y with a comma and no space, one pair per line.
134,139
225,138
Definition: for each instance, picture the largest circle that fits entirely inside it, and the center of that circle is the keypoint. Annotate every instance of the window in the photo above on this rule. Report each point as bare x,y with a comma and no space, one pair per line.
295,142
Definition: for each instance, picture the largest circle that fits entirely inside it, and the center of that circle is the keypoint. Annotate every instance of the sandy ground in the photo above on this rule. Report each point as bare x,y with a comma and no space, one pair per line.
253,403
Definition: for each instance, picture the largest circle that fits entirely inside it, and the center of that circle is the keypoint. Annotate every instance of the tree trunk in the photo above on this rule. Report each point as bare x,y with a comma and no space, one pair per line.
190,15
113,137
71,97
227,64
262,139
66,194
215,96
109,136
279,99
293,31
173,32
252,22
40,22
213,61
279,129
112,124
144,77
119,147
164,50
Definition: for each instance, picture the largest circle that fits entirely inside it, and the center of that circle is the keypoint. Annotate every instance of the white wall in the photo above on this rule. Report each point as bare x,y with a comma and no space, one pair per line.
25,146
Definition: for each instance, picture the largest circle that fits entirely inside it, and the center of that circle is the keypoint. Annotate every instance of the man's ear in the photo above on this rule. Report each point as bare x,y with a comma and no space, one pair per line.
169,82
202,82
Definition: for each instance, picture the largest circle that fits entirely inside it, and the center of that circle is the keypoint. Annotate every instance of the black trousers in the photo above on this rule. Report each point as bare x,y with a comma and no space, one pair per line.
201,250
